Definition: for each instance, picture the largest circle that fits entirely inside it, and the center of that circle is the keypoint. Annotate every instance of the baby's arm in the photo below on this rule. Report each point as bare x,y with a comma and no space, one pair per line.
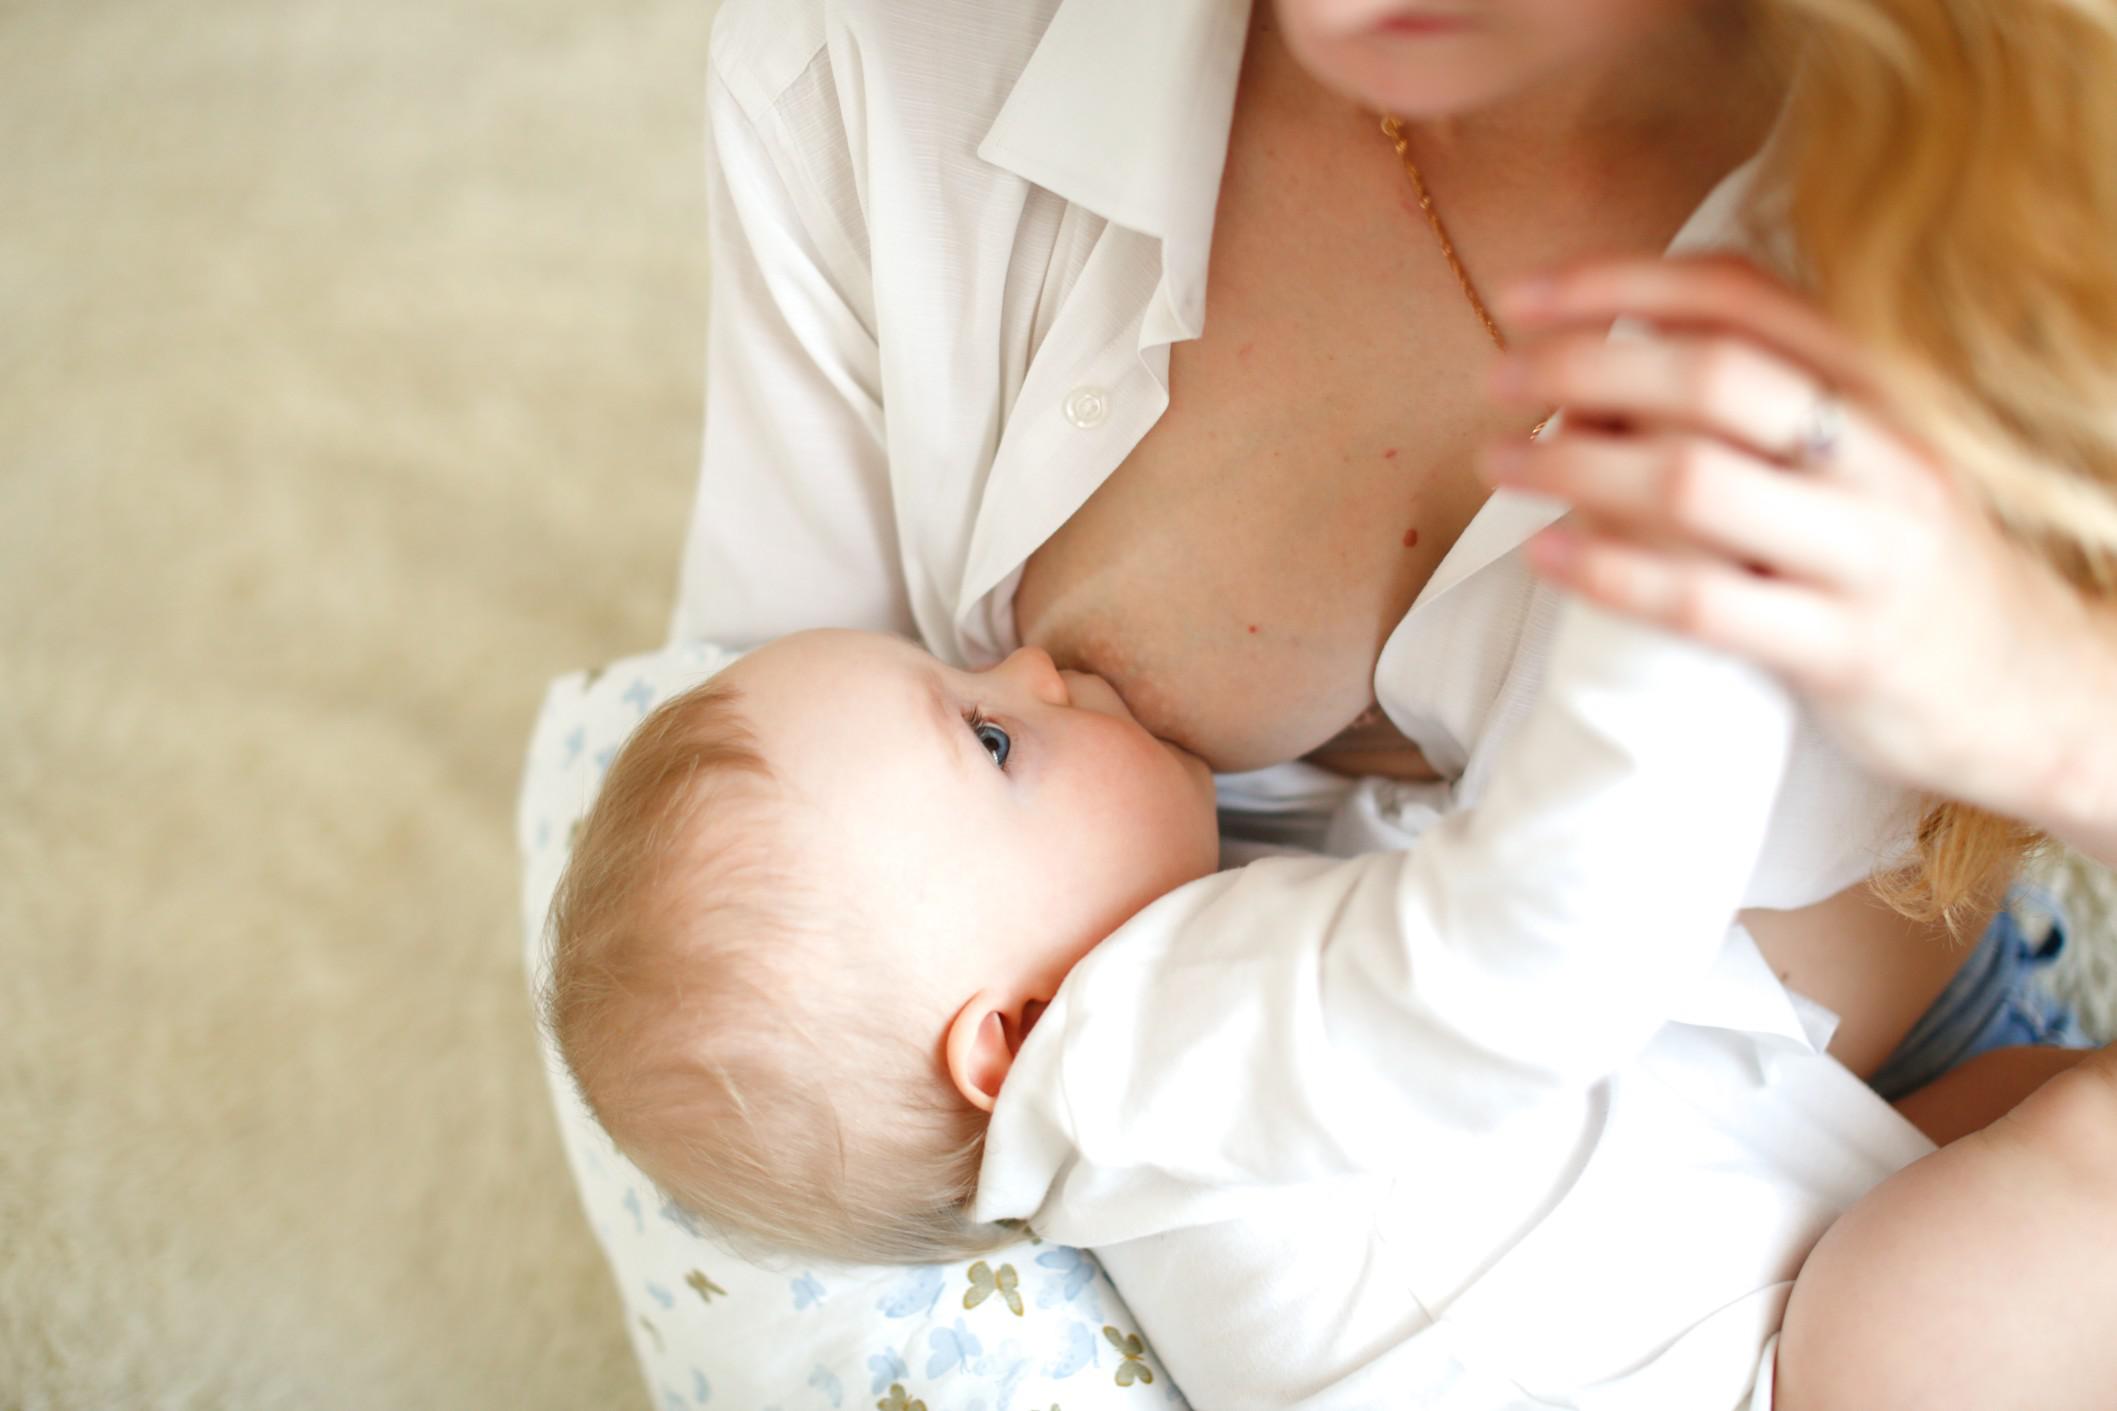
1538,938
1984,1276
1303,1018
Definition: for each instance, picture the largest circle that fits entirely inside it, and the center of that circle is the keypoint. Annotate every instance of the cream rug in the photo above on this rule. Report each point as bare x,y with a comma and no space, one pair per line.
350,359
349,375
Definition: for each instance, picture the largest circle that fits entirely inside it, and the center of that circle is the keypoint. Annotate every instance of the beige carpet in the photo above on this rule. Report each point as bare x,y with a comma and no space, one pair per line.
349,370
349,385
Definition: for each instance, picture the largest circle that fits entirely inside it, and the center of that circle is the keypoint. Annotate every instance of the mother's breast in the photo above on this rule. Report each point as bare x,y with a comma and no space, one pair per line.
1223,666
1238,601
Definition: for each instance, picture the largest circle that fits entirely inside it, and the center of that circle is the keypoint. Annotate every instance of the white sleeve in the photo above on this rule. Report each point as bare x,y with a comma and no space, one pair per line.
1543,935
1301,1019
792,527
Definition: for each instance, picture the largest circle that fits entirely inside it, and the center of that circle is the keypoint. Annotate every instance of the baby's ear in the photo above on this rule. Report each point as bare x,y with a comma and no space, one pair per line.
979,1049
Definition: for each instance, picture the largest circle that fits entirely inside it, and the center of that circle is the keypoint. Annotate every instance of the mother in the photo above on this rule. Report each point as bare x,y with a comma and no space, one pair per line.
963,384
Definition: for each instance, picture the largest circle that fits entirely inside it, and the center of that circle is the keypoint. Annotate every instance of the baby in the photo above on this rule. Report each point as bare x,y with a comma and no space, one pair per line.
819,904
823,970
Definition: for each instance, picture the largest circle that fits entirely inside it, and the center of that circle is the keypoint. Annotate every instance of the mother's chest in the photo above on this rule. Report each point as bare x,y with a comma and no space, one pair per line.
1226,523
1237,573
1241,566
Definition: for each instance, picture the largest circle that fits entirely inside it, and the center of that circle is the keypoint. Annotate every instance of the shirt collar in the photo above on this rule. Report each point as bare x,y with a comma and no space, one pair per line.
1124,109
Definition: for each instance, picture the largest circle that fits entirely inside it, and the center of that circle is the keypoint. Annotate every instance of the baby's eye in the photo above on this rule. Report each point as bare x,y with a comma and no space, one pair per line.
992,737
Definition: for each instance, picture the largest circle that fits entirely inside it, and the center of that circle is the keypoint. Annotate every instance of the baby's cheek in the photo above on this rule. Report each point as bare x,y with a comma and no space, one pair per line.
1186,831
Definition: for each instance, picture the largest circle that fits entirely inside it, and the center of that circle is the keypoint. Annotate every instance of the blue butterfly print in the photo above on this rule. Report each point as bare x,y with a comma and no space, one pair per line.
639,694
1075,1352
1076,1270
952,1348
917,1292
1004,1382
807,1292
888,1367
825,1381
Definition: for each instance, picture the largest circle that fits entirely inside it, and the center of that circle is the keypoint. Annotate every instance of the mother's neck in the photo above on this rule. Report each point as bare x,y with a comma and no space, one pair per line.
1702,82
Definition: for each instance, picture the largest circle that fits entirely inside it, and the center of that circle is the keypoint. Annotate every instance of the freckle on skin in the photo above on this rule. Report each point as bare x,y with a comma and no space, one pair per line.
1253,629
1390,454
1243,352
1411,540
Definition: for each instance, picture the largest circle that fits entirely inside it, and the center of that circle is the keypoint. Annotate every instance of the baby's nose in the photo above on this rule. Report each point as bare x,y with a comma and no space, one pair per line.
1036,672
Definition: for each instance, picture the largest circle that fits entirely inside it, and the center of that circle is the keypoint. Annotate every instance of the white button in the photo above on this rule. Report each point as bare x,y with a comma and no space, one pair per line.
1087,406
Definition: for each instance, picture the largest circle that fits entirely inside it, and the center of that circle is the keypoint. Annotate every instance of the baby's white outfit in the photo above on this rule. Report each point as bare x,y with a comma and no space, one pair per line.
1510,1118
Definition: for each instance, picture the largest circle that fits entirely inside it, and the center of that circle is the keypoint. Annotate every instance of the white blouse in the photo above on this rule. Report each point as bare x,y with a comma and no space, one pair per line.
952,242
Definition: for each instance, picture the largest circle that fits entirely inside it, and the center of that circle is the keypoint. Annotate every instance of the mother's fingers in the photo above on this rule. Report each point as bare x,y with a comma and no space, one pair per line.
1800,632
1700,492
1702,384
1710,292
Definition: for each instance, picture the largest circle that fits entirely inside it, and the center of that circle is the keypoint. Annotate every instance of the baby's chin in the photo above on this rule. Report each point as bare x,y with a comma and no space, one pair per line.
1197,771
1207,802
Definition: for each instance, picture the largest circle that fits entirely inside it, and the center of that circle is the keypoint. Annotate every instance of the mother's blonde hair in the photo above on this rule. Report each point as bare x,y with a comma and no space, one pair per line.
1948,171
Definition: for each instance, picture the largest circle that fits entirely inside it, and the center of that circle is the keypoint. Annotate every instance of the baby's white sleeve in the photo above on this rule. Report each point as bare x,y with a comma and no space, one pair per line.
1305,1018
1536,940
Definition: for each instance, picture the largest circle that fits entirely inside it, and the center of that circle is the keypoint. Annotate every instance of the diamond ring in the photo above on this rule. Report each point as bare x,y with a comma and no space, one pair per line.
1817,446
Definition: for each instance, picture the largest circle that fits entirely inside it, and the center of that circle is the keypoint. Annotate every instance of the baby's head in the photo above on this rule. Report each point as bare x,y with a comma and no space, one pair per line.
818,906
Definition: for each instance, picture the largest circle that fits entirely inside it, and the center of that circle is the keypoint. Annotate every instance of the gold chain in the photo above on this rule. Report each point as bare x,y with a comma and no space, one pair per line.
1393,129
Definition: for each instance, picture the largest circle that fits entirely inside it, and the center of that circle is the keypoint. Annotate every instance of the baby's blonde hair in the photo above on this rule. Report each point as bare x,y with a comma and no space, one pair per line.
711,1001
1949,174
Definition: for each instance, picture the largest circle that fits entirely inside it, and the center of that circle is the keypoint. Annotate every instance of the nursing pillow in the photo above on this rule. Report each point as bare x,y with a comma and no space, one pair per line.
1032,1326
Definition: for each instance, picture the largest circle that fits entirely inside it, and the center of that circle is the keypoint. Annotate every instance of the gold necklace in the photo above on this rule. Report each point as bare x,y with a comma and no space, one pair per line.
1393,129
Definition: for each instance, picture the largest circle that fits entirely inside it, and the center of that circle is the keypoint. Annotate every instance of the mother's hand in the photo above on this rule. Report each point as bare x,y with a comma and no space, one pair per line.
1738,477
